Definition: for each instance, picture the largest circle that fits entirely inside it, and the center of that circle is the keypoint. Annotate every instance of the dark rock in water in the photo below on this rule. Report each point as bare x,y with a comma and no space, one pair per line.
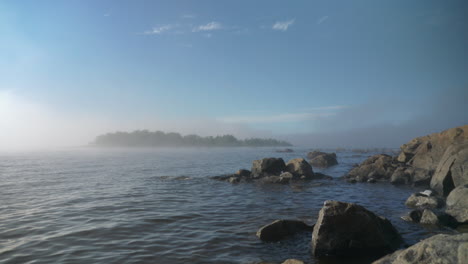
288,150
321,176
243,173
322,159
280,229
346,229
429,218
418,200
413,216
434,250
267,167
234,180
300,167
371,180
452,170
377,167
285,177
457,204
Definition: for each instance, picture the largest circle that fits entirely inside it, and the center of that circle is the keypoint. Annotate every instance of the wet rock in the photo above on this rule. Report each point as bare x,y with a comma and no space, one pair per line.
300,167
322,159
243,173
346,229
371,180
378,167
428,217
267,167
293,261
452,170
457,204
436,249
413,216
418,200
321,176
234,180
285,177
280,229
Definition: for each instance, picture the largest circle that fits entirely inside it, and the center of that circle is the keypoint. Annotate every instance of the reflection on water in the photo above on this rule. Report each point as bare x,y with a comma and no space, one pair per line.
159,206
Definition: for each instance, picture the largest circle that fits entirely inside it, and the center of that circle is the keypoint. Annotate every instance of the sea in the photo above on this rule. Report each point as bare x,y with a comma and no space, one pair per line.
88,205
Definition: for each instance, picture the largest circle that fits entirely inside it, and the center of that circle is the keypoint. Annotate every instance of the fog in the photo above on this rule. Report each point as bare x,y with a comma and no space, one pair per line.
25,124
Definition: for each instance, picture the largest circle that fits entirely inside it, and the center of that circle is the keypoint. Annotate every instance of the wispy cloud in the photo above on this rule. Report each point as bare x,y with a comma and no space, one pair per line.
279,118
321,20
159,29
188,16
283,25
208,27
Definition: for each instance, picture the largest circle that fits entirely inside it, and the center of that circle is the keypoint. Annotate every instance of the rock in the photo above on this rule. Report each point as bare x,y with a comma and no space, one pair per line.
377,167
293,261
371,180
300,167
457,204
413,216
436,249
288,150
234,180
268,167
427,193
243,173
280,229
346,229
404,157
417,200
322,159
399,177
452,170
429,218
321,176
285,177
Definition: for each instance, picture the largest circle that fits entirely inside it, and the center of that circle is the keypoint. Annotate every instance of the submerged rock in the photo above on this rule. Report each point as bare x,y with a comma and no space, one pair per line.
457,204
280,229
436,249
346,229
322,159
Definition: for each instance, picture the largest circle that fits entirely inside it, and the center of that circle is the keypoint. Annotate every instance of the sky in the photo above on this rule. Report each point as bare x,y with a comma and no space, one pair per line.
317,73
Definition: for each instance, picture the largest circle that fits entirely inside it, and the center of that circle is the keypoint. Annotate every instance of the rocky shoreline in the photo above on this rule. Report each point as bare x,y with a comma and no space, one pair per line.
438,162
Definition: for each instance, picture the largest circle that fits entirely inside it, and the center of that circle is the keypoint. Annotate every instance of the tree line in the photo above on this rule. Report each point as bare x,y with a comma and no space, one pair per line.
145,138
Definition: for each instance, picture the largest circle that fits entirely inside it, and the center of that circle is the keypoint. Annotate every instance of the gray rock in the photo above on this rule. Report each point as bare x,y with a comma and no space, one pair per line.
452,170
322,159
300,167
429,218
280,229
417,200
267,167
413,216
438,249
377,167
399,177
293,261
285,177
457,204
346,229
243,173
234,180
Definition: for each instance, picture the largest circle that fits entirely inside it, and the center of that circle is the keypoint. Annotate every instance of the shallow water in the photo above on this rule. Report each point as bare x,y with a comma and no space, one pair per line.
159,206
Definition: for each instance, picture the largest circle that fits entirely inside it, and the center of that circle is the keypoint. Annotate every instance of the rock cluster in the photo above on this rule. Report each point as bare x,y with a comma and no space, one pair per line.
274,170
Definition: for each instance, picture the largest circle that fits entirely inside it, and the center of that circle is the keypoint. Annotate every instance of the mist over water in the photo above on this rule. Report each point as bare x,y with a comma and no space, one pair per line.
159,206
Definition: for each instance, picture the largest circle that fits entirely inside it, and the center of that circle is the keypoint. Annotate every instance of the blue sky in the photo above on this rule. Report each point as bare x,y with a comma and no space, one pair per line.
250,68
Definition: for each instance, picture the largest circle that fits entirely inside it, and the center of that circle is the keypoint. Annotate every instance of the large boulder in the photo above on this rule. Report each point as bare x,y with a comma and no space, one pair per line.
457,204
452,170
300,167
437,249
378,167
322,159
280,229
426,152
267,167
346,229
421,201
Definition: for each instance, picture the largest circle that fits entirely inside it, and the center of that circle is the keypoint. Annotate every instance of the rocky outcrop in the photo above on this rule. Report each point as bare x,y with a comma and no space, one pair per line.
457,204
299,167
267,167
422,201
346,229
436,249
377,167
280,229
439,160
322,159
452,170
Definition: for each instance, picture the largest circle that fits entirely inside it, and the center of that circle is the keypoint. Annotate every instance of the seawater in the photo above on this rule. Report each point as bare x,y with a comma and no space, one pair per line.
160,206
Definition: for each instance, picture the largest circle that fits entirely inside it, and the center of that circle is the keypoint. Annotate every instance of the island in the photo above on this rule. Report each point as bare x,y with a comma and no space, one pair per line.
145,138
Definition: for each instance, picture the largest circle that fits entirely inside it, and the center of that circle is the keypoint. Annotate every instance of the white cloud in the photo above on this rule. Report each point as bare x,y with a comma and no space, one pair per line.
159,30
208,27
321,20
283,25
